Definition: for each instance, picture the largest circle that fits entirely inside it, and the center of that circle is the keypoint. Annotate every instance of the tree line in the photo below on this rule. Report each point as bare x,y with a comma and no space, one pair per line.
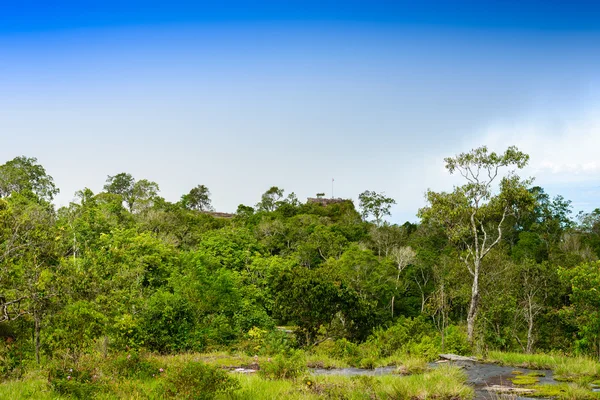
126,269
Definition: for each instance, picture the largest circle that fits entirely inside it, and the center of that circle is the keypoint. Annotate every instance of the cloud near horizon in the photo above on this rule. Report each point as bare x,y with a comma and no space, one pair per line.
563,149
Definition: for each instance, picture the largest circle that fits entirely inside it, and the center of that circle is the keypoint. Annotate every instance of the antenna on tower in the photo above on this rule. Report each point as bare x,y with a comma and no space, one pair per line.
332,180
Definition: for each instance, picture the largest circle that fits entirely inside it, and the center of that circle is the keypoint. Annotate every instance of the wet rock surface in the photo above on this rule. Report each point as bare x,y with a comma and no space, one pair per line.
489,380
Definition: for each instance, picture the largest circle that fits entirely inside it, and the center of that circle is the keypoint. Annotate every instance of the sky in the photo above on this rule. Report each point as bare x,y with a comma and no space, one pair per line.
241,96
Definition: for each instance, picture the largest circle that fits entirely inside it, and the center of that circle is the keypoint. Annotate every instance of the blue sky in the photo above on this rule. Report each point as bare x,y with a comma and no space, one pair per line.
241,96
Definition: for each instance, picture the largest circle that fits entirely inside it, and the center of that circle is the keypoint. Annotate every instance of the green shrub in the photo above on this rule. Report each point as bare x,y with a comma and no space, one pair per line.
197,381
11,361
279,342
135,365
168,323
456,341
346,350
369,350
267,343
76,329
404,335
125,332
250,316
80,382
425,348
412,365
367,363
284,366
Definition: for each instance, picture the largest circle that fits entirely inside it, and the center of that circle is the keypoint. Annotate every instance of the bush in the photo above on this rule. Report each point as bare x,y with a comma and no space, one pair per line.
11,361
76,329
80,382
367,363
134,365
346,350
262,342
409,336
426,349
456,341
168,323
125,333
277,342
284,366
197,381
412,365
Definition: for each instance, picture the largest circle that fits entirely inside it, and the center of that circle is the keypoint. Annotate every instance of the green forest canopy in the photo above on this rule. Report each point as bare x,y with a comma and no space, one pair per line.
497,257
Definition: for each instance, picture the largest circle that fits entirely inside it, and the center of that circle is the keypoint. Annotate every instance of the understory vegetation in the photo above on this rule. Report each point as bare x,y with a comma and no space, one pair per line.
123,294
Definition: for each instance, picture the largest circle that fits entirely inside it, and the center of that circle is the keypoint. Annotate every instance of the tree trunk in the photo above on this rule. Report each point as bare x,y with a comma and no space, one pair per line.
443,319
36,335
529,326
395,290
530,336
474,306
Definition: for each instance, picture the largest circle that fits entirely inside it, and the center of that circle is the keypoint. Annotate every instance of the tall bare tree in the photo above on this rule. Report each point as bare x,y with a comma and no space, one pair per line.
474,214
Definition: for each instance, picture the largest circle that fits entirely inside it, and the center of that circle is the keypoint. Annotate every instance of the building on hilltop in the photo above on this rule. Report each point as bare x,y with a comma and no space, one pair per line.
325,202
219,214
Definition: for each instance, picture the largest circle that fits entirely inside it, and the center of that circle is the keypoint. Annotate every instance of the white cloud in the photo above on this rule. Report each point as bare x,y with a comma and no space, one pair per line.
564,149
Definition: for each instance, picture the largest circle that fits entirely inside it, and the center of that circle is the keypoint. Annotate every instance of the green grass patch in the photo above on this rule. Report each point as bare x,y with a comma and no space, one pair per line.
325,361
580,369
564,391
525,380
412,365
445,382
202,376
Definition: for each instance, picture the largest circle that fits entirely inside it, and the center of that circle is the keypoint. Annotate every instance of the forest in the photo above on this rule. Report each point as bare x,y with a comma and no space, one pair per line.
123,294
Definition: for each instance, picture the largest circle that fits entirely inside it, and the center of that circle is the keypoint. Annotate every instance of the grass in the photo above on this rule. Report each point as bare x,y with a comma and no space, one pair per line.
525,380
412,365
582,369
564,391
33,386
442,383
445,382
576,373
325,361
413,381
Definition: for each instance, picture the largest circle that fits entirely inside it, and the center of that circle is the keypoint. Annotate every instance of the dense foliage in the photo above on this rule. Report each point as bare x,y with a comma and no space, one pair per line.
125,270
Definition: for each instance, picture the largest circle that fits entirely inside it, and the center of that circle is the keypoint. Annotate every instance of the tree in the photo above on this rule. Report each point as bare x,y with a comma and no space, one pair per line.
590,222
25,174
137,195
28,266
120,184
589,226
403,257
474,215
270,199
376,205
548,220
584,310
387,237
439,302
197,199
534,279
313,299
